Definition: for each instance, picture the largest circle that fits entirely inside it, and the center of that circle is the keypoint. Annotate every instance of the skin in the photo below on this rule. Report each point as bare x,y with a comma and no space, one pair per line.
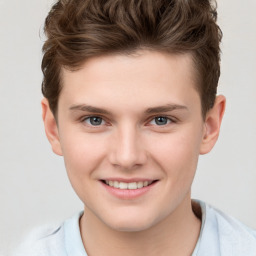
130,92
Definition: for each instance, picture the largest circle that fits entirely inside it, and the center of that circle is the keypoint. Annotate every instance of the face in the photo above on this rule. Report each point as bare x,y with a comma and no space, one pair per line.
130,130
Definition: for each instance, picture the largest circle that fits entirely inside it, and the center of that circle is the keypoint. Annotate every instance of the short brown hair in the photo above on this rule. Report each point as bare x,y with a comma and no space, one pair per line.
79,29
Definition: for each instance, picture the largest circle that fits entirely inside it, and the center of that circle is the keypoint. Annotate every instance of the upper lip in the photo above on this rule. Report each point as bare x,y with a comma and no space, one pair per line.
128,180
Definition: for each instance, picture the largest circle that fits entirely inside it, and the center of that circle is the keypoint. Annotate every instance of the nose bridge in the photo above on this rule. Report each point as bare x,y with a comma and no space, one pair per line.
127,151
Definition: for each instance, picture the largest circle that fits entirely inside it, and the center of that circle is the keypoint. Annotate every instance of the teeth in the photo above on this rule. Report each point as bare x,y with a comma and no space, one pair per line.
123,185
140,184
131,185
116,184
145,183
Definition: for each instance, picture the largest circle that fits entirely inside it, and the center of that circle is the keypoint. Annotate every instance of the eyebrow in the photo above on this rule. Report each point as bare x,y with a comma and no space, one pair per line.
165,108
153,110
90,109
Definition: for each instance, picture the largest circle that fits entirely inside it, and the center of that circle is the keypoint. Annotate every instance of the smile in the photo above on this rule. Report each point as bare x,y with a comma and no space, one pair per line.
130,185
128,189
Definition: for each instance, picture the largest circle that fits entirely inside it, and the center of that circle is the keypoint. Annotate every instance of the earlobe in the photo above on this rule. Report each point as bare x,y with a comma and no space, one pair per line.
212,125
51,128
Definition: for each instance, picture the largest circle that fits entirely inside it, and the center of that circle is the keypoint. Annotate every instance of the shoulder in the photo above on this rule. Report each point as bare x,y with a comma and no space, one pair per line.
61,240
43,241
48,240
226,233
228,225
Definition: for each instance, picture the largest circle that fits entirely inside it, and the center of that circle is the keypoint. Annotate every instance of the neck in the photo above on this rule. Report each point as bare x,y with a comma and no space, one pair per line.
176,235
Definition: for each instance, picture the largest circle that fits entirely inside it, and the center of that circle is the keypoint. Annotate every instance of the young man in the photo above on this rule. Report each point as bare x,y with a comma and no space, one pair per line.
130,103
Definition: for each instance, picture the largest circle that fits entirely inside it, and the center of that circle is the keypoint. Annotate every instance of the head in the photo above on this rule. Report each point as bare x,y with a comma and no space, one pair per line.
81,29
130,100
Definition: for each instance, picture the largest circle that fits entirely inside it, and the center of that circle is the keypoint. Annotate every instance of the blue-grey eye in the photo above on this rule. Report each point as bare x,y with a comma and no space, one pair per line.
160,120
94,120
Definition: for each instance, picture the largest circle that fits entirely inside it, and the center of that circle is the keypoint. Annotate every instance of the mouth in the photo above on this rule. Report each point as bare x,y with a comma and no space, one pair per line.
128,185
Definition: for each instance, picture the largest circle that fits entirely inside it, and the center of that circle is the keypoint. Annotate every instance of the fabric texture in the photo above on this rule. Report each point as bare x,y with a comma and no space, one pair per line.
220,235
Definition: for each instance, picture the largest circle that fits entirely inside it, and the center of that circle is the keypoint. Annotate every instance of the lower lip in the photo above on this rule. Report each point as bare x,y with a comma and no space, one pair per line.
128,193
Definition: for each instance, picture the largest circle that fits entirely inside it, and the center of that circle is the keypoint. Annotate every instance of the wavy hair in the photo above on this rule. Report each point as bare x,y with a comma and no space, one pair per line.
79,29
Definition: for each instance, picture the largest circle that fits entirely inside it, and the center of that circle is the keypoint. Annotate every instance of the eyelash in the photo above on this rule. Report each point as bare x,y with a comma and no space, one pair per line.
83,120
169,120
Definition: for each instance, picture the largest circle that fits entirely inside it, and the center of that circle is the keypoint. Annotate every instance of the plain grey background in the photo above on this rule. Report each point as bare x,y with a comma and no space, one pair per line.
34,188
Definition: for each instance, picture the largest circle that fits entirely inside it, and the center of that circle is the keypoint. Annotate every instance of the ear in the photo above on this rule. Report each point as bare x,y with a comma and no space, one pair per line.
212,125
51,128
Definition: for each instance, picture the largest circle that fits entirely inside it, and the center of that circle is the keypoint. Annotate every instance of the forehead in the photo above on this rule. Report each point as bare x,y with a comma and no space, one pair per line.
147,59
131,79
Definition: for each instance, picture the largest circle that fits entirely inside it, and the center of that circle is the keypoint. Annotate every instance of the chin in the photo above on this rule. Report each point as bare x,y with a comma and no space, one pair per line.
130,224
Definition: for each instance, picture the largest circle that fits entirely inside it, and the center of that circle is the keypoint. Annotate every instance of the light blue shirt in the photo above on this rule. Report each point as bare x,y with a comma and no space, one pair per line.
220,235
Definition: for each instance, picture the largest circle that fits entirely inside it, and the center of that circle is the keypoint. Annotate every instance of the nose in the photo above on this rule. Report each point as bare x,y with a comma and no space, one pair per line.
127,149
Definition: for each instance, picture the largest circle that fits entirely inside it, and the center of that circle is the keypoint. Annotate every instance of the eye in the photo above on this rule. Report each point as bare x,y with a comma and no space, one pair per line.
160,120
94,121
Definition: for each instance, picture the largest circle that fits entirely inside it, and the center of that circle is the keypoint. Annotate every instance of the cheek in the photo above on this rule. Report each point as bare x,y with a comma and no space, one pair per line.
177,154
82,154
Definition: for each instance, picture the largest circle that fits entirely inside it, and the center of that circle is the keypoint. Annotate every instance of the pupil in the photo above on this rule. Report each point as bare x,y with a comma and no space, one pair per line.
161,120
95,120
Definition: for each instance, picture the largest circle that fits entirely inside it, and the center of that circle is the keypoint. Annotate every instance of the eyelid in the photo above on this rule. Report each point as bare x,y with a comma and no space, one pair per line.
168,121
170,118
84,118
107,122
